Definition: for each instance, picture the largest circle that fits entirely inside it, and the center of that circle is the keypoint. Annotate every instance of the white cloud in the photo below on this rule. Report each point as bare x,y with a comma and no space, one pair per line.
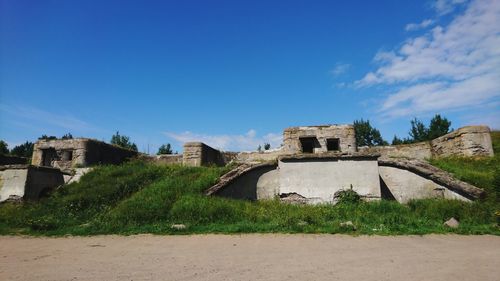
443,7
245,142
33,116
340,68
450,67
417,26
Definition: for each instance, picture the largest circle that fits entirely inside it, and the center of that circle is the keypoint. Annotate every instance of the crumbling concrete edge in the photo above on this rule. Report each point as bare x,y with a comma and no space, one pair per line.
434,174
235,173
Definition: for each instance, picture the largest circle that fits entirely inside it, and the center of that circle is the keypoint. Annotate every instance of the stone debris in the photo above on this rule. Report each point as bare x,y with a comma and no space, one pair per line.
302,223
178,226
451,223
348,224
293,198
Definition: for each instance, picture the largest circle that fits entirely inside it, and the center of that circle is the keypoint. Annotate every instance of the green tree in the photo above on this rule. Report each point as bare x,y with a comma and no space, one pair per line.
45,137
396,140
123,141
438,126
23,150
67,136
419,132
366,135
164,149
4,147
267,146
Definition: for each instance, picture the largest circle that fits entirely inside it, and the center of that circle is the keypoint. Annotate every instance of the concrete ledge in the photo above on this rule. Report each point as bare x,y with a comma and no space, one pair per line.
435,174
235,173
330,156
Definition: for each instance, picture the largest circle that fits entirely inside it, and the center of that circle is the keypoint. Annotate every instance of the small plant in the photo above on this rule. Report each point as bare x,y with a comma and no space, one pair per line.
346,196
267,146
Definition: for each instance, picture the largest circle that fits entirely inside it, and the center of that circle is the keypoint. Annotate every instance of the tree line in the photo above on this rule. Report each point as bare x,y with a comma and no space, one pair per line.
367,135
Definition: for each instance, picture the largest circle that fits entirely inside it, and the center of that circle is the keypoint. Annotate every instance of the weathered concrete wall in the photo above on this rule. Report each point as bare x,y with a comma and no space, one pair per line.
27,182
12,160
76,146
263,156
405,186
166,159
345,134
81,152
12,183
255,184
421,150
103,153
169,159
466,141
268,185
423,171
200,154
317,179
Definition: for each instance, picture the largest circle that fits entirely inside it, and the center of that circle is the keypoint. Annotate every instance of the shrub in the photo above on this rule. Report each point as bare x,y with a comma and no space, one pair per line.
348,196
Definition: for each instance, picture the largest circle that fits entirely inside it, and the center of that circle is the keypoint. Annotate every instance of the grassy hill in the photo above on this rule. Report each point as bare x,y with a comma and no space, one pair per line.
137,197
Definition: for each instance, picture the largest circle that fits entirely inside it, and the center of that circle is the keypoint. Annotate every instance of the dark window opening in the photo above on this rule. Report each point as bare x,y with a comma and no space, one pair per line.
308,144
48,155
67,155
333,144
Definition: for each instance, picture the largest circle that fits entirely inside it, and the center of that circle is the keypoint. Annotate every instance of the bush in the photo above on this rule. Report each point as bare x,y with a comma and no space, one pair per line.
348,196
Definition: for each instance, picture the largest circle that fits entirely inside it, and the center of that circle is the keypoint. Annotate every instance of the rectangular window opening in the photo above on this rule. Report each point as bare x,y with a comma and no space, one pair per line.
308,144
333,144
67,155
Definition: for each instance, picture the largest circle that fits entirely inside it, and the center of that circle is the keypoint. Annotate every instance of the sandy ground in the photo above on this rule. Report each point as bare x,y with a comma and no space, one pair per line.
251,257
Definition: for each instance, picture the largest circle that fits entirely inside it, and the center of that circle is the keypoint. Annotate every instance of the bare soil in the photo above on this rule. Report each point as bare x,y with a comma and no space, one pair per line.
251,257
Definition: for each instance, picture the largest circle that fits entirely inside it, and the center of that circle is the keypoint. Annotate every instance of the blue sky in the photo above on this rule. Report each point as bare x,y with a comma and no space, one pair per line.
235,73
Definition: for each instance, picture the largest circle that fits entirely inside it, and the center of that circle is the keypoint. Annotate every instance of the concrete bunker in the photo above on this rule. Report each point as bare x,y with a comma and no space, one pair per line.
67,154
315,162
319,139
316,178
27,182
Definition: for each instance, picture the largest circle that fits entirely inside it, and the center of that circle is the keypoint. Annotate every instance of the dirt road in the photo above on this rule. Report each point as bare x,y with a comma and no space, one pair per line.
251,257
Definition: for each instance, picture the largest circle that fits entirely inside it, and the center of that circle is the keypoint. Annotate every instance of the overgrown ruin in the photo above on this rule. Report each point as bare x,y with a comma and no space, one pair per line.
316,162
54,163
313,164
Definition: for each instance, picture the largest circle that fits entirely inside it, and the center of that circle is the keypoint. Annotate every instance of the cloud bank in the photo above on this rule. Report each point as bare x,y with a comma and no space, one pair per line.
450,67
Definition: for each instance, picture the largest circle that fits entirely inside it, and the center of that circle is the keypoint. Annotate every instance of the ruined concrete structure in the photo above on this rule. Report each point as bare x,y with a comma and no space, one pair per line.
27,182
66,154
312,166
467,141
316,162
317,139
55,162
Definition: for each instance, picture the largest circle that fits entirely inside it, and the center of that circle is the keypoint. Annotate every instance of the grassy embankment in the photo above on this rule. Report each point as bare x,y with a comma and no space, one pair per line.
144,198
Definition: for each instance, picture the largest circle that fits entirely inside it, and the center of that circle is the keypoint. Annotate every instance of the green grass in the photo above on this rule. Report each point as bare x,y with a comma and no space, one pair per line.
137,197
483,172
